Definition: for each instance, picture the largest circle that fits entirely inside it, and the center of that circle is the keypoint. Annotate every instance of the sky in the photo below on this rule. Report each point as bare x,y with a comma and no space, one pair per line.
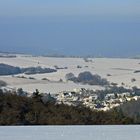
76,27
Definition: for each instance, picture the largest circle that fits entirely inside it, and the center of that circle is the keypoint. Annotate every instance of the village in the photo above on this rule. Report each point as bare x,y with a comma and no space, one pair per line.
100,100
95,100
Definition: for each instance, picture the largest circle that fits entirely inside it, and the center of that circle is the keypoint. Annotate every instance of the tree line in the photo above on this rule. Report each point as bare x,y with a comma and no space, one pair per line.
17,110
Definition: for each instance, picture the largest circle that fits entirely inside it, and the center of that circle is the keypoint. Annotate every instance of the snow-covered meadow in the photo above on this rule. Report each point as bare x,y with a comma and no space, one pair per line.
69,132
115,70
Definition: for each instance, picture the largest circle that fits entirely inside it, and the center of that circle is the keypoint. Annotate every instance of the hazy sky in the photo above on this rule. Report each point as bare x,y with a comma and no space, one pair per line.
69,7
74,27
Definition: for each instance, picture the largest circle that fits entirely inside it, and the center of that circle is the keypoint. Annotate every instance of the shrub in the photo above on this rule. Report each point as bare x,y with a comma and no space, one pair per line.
69,76
2,83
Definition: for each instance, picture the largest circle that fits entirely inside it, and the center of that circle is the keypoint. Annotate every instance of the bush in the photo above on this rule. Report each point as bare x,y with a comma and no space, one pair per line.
69,76
2,83
133,80
45,79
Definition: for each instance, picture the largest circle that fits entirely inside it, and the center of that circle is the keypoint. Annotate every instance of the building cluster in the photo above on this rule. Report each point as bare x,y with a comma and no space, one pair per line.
92,99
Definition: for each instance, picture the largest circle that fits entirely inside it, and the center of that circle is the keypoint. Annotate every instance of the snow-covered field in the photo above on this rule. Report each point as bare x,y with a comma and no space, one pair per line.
121,70
70,133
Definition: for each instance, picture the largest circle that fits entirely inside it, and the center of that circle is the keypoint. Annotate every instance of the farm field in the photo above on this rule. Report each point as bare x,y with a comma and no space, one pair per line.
115,70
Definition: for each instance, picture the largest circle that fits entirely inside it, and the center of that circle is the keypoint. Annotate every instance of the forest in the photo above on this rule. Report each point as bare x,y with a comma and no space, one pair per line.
17,110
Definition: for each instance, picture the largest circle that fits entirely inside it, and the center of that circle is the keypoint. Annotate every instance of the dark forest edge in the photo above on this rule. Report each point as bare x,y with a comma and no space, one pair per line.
17,110
11,70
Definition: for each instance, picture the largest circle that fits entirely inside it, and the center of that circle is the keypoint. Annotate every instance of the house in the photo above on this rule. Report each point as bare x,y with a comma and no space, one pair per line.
136,97
110,96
